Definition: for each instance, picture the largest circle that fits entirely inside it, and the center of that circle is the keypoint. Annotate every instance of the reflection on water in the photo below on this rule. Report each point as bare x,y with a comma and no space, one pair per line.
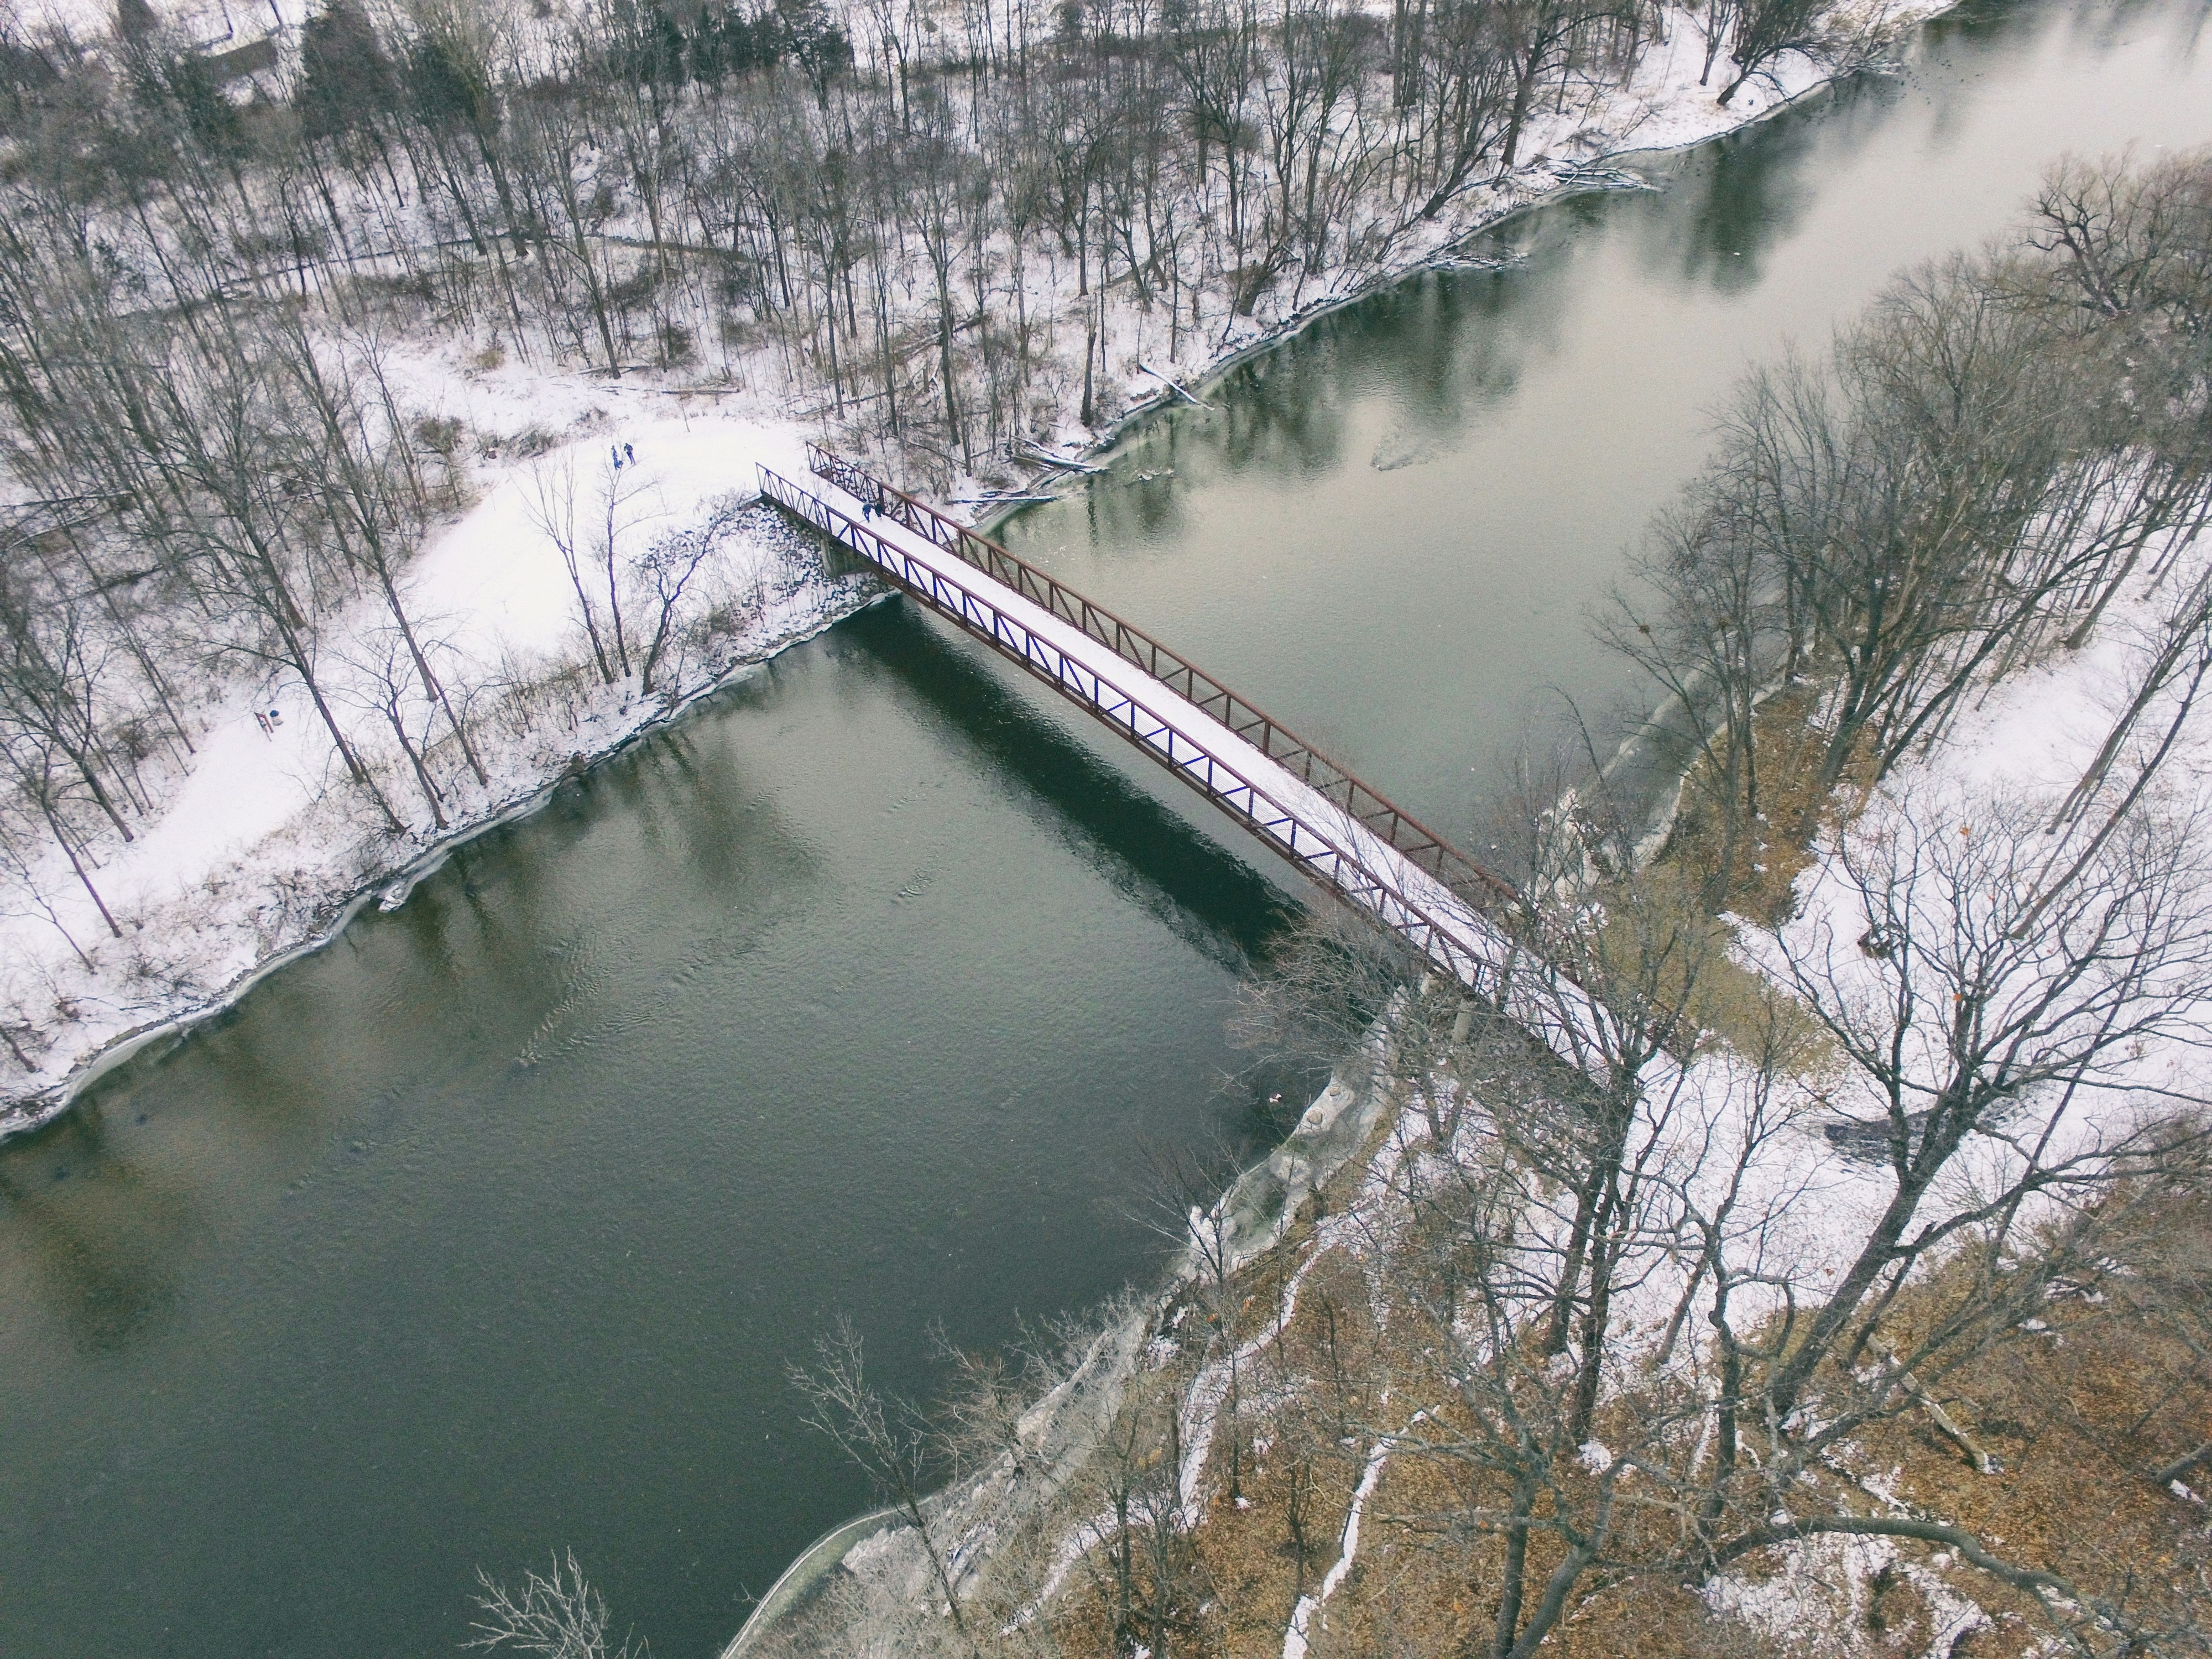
495,1226
102,1238
1390,535
1217,905
1748,198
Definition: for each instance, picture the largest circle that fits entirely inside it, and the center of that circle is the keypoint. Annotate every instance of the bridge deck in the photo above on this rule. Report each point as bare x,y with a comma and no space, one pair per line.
1336,828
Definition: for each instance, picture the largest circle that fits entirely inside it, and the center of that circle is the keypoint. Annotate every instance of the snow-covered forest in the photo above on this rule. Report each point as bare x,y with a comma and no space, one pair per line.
312,320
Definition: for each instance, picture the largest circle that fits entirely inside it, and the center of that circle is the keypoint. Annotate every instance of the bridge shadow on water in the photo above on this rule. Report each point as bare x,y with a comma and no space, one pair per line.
1221,906
106,1227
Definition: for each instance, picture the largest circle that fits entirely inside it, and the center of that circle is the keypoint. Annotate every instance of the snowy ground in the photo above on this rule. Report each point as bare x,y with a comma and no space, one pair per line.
261,849
254,852
2022,748
2020,751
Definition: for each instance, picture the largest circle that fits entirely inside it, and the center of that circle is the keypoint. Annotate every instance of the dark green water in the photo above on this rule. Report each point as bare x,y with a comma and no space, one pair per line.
493,1228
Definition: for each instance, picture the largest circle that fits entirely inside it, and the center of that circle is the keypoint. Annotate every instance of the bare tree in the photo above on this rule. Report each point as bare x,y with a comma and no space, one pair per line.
891,1439
371,495
1761,31
590,548
1994,983
556,1614
669,566
1143,1565
21,866
383,682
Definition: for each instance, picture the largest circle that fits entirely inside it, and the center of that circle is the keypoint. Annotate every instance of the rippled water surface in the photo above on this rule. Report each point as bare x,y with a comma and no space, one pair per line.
494,1227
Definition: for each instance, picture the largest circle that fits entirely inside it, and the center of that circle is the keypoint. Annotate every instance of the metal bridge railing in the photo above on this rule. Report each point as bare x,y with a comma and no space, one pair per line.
1420,846
1475,951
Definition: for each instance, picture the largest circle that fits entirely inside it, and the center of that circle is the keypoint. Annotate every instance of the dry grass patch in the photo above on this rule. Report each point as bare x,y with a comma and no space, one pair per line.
2080,1414
1749,869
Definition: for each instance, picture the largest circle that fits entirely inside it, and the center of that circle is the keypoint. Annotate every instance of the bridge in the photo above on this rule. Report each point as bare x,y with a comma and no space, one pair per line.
1343,833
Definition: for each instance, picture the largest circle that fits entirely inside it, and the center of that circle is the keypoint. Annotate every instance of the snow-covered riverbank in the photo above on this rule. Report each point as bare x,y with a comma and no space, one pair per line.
262,853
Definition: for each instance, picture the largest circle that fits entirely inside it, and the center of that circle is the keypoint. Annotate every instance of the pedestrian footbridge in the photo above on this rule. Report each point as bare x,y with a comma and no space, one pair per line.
1341,832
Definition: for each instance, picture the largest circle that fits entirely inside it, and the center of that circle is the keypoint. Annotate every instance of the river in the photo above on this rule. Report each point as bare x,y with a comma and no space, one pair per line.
871,988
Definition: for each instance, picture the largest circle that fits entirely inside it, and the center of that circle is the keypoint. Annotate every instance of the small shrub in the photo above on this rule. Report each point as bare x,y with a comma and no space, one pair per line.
634,289
441,438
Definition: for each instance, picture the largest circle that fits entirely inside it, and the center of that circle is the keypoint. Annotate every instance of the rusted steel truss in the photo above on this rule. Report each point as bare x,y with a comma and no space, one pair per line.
1466,945
1413,840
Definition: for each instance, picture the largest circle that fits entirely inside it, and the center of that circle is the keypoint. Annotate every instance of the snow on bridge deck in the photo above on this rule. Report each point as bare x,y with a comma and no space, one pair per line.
1342,833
